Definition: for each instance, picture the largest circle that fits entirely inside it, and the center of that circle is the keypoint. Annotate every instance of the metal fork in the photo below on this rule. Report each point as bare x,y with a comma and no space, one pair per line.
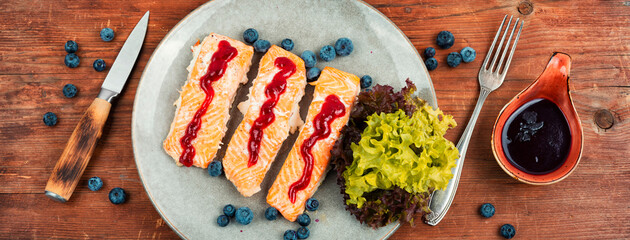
490,78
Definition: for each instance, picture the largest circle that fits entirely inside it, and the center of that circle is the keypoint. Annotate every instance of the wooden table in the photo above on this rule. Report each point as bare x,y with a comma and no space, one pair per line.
594,202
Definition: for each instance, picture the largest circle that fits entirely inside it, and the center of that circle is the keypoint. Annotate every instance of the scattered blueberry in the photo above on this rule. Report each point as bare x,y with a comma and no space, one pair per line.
344,46
71,46
312,74
290,235
107,34
229,210
508,231
215,168
69,90
309,58
486,210
250,35
312,204
327,53
429,52
454,59
244,215
303,233
95,183
72,60
271,213
223,220
366,81
287,44
445,39
431,63
50,119
304,220
261,45
468,54
117,196
99,65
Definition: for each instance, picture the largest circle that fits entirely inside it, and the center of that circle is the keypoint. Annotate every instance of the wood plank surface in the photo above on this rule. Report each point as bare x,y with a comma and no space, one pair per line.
594,202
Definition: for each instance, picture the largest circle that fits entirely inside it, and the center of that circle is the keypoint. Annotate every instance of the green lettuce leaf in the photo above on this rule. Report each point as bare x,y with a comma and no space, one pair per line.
386,191
398,150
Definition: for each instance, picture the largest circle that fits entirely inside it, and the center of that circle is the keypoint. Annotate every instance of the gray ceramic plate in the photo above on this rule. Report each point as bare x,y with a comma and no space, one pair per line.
189,199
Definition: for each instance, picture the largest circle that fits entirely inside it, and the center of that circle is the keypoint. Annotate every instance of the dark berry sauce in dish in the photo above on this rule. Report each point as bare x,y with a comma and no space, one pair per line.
536,138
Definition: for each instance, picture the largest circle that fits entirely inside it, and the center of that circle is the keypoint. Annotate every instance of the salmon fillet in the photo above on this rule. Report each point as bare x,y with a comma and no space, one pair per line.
246,167
223,64
334,90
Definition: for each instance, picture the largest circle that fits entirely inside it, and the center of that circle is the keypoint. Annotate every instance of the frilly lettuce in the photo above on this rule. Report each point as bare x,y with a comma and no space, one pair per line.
392,155
398,150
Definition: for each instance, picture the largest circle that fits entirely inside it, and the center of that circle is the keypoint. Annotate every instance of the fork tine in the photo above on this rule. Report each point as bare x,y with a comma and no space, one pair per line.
496,36
509,60
507,45
496,54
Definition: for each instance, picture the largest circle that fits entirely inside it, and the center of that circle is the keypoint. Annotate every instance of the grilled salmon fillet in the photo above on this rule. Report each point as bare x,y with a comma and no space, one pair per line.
307,163
270,113
219,65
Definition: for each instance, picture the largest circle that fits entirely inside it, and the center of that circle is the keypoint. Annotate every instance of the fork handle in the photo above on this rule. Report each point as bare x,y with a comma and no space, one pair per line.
441,200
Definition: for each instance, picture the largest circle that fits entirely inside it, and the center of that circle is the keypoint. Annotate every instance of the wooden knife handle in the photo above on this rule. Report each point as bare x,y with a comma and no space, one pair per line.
78,151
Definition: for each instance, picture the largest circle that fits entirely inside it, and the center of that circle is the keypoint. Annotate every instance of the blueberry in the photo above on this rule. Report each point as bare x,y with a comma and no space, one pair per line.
312,204
431,63
327,53
117,196
223,220
95,183
244,215
309,58
215,168
71,46
445,39
290,235
50,119
468,54
229,210
486,210
99,65
454,59
69,90
303,233
271,213
366,81
429,52
261,45
312,74
287,44
250,35
508,231
344,46
304,220
72,60
107,34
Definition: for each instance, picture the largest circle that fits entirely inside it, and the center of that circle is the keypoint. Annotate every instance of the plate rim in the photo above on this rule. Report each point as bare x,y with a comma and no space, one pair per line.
168,35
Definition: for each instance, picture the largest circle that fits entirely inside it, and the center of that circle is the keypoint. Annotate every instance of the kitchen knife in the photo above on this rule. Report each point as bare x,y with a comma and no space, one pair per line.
82,142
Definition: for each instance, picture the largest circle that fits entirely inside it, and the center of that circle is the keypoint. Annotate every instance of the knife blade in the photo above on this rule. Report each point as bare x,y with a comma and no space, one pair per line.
118,74
82,142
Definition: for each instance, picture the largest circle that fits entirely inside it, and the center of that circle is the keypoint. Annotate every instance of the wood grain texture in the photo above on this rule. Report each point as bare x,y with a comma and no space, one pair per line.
591,203
76,156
